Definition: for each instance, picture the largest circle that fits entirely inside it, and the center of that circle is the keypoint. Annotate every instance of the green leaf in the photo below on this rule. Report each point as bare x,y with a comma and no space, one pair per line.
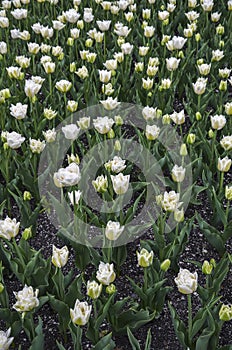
105,343
203,340
74,291
212,234
199,321
148,340
133,341
60,346
180,328
38,341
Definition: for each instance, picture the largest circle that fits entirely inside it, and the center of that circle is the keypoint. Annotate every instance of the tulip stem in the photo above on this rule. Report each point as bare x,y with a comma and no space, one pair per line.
145,278
189,317
227,213
221,181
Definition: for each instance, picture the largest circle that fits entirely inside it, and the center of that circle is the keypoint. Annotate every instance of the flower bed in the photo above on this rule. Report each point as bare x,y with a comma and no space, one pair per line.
115,185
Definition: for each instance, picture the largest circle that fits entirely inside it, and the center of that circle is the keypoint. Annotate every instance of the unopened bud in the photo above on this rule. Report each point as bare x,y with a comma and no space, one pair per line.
111,134
198,116
207,268
27,233
191,138
111,289
165,265
225,313
211,133
1,288
70,41
197,37
183,150
118,120
117,145
27,196
223,85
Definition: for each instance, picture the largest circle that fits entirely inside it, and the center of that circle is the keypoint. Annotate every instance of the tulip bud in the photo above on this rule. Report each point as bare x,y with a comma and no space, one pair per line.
59,256
228,193
111,289
72,106
73,159
165,265
181,54
5,93
183,150
221,43
117,146
118,120
72,67
27,233
5,146
27,196
191,138
80,24
207,268
166,119
93,289
111,134
213,262
158,113
70,41
89,42
197,37
179,215
223,85
211,133
145,258
198,116
220,29
225,313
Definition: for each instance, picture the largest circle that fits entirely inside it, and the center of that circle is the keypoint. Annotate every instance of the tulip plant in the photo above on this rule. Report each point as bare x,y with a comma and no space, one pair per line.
115,126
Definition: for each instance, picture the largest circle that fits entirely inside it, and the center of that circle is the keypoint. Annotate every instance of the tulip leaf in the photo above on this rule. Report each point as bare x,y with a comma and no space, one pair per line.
179,327
212,234
105,343
133,341
204,339
74,291
38,341
60,346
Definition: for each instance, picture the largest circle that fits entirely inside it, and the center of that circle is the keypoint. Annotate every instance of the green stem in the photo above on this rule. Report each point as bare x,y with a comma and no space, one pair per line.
189,317
17,250
145,278
221,181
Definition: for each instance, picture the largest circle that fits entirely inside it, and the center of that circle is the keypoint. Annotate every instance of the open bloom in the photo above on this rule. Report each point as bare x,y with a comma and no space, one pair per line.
105,273
81,313
218,121
100,184
110,103
152,132
178,117
103,124
94,289
145,257
170,201
226,142
63,85
26,299
186,281
113,230
9,228
18,111
224,164
117,164
178,173
200,86
172,63
36,146
68,176
103,25
5,340
59,256
70,131
120,183
31,88
14,140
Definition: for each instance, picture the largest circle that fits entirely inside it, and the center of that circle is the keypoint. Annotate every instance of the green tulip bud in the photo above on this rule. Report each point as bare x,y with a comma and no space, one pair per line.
191,138
72,67
183,150
27,196
5,146
211,133
165,265
111,134
117,145
223,85
166,119
70,41
197,37
118,120
225,313
89,42
198,116
27,233
228,193
111,289
207,268
1,287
